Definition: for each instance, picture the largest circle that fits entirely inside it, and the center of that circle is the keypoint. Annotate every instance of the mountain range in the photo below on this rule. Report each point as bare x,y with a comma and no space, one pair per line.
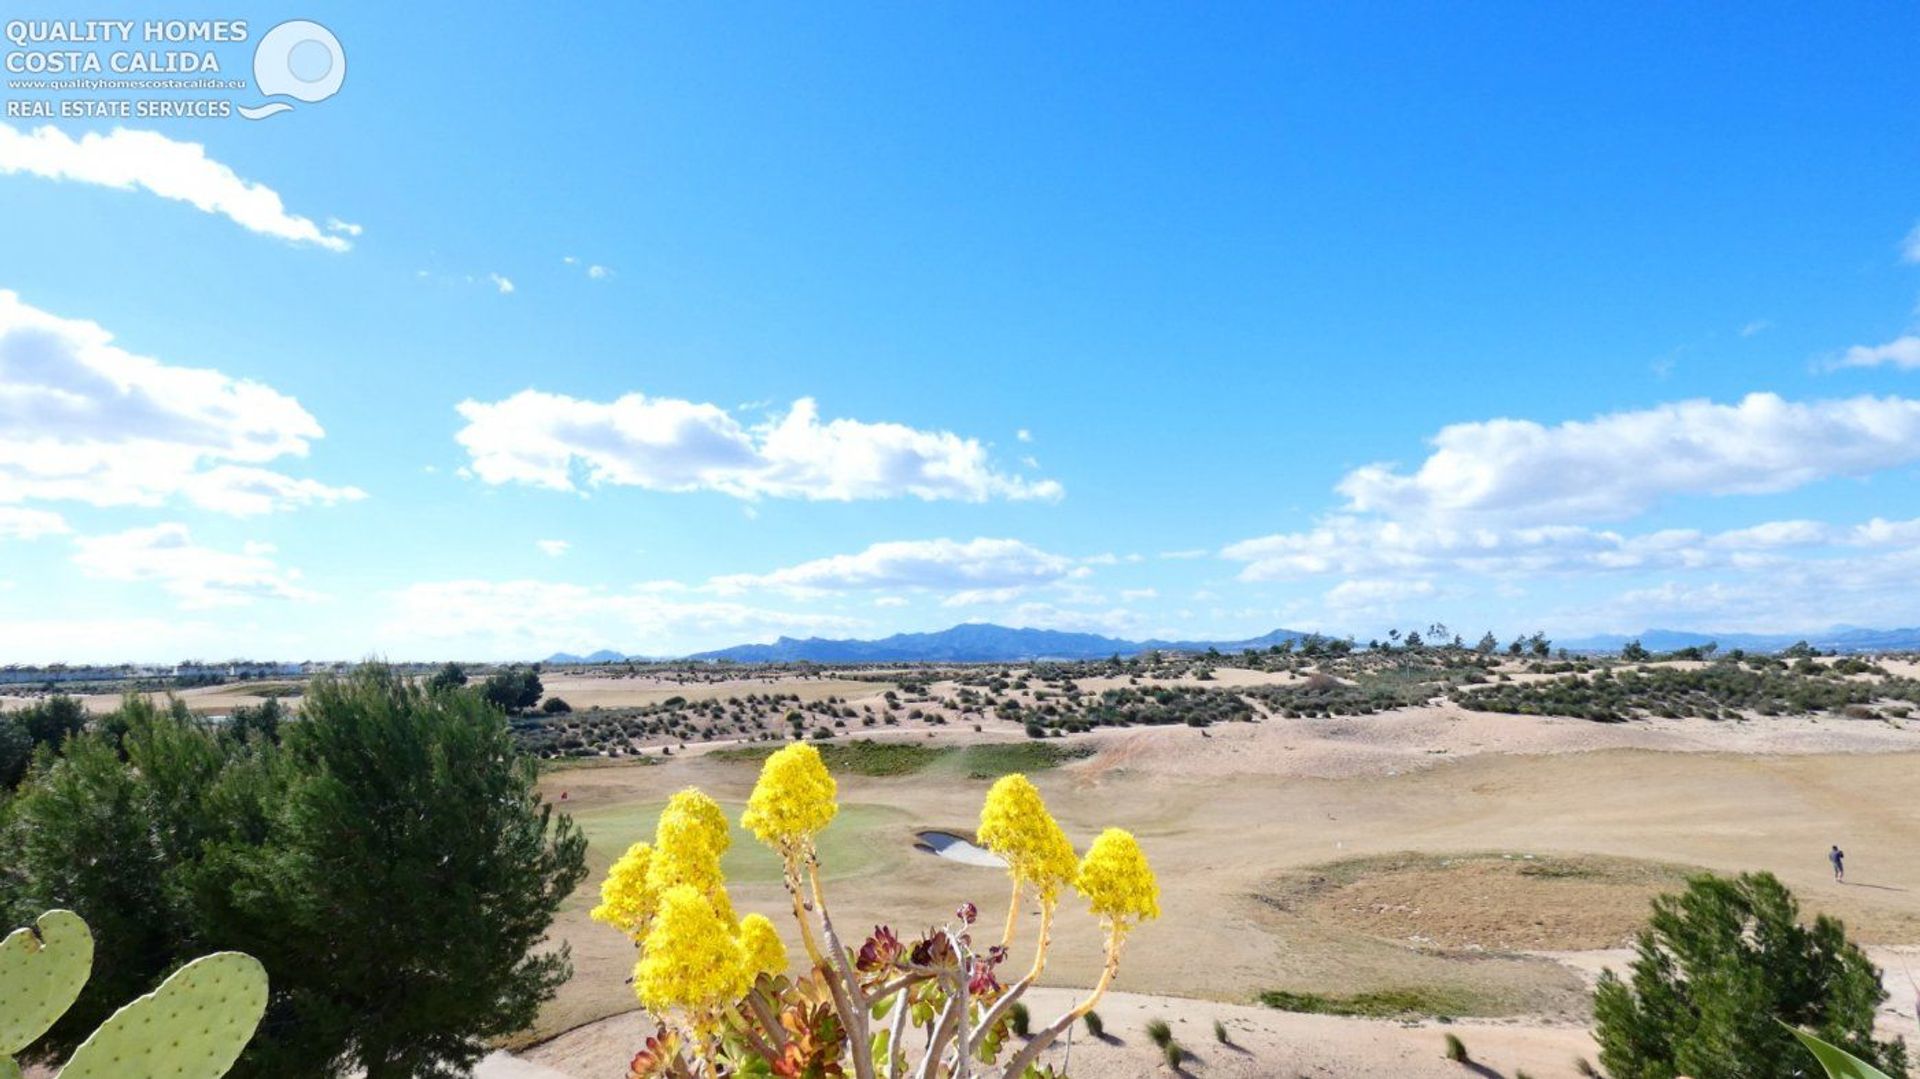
981,642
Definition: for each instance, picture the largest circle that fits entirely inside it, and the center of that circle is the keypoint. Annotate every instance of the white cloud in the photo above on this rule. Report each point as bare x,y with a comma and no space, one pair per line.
26,639
181,171
1112,622
527,619
1135,594
83,420
979,566
1354,546
1518,472
1023,435
1190,553
504,286
29,524
1364,596
1756,327
666,444
976,597
198,576
552,548
1901,352
334,224
1872,588
891,601
598,272
1910,247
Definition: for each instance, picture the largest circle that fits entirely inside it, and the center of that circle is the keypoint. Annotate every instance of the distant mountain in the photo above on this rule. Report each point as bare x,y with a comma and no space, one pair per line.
973,642
564,659
1837,639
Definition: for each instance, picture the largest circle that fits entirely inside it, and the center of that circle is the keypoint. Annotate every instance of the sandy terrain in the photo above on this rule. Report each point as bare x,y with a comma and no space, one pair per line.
1458,855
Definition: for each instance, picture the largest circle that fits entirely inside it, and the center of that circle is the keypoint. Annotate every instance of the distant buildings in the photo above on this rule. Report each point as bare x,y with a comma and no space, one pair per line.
237,670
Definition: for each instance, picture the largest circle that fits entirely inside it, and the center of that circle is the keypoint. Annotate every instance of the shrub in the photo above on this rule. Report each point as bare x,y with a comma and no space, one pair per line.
1457,1050
1220,1033
1096,1026
1022,1019
556,706
1159,1033
1715,969
1174,1054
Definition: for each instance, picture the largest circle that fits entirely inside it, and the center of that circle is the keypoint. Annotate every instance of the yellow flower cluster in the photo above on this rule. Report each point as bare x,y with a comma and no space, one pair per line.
688,843
765,952
672,898
626,902
1015,824
792,801
1118,882
692,958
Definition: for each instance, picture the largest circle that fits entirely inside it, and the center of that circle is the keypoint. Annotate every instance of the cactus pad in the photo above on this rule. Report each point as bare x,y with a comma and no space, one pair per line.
192,1027
42,970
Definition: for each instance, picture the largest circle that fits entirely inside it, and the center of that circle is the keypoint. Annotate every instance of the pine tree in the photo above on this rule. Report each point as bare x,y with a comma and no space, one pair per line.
1716,967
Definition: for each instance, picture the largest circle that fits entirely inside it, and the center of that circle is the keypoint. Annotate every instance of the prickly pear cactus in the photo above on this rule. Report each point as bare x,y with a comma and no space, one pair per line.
192,1027
42,970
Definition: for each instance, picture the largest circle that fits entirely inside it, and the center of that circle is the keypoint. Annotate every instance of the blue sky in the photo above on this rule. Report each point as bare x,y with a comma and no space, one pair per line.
671,327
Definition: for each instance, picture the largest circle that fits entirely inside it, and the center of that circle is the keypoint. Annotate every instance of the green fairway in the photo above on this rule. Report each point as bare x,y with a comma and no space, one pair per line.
867,757
861,839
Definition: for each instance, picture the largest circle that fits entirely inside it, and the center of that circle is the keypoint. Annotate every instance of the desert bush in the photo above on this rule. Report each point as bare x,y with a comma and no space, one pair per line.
1717,971
1096,1026
1457,1050
1159,1033
718,985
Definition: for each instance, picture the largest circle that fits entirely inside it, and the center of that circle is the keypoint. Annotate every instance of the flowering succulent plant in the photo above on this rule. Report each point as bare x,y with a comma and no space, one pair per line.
718,985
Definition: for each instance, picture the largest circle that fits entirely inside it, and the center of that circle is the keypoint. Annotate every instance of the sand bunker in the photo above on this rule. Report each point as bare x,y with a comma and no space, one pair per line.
1490,902
958,849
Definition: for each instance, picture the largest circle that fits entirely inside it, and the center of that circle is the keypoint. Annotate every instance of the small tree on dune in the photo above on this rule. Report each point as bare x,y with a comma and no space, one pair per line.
1719,968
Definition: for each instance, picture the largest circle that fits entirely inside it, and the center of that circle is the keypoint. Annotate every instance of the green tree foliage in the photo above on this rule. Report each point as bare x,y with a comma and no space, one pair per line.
515,689
261,721
1717,966
1635,652
388,860
52,721
16,751
451,676
48,722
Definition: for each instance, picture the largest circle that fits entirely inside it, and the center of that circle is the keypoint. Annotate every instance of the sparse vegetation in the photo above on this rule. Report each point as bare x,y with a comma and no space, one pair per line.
1457,1049
1159,1033
1379,1004
1727,689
